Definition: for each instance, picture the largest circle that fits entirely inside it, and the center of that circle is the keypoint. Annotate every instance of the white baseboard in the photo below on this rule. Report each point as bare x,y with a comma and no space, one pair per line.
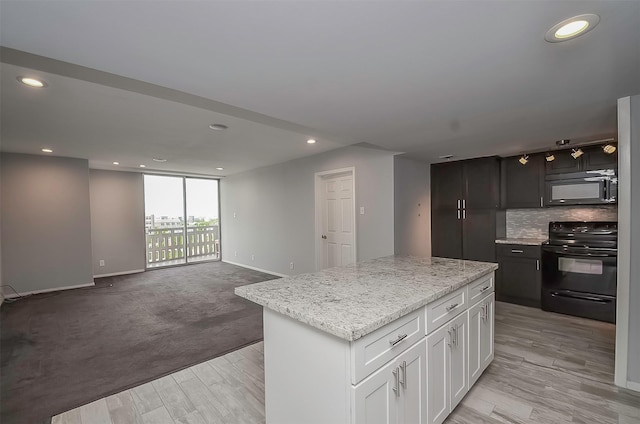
632,385
266,271
114,274
14,295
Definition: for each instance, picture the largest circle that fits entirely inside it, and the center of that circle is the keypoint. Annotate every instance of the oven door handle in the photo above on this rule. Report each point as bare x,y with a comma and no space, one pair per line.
590,255
581,297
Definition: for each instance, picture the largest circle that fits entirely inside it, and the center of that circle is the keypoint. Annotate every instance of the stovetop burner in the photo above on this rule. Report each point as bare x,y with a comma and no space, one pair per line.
586,235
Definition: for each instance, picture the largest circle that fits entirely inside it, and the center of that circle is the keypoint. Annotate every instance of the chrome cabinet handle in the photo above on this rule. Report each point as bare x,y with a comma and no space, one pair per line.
483,315
517,251
541,202
464,204
403,368
537,264
396,376
485,288
400,338
464,214
458,213
450,342
451,307
458,203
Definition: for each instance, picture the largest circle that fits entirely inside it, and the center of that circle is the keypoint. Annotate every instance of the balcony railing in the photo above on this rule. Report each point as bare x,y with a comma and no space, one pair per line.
166,245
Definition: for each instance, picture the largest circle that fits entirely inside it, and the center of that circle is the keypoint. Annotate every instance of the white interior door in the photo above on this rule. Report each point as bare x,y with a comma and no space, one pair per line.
337,220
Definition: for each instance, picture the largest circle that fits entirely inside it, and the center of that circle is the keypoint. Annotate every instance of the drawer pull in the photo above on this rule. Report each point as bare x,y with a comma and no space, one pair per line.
485,288
452,307
400,338
517,251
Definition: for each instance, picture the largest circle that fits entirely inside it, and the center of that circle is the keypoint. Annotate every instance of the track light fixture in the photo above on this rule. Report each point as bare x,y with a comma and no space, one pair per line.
524,159
609,148
550,157
576,153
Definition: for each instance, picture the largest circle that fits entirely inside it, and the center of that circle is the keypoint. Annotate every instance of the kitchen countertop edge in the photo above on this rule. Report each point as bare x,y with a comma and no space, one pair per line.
354,334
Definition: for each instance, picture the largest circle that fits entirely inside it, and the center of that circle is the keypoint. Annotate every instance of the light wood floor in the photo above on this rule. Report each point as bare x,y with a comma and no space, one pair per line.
548,368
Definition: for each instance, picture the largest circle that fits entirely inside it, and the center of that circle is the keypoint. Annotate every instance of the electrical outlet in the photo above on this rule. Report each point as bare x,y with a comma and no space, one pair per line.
361,210
291,265
101,262
253,257
234,215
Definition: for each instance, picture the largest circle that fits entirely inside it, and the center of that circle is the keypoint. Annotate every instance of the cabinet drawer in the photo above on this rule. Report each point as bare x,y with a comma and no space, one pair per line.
518,250
479,289
377,348
445,308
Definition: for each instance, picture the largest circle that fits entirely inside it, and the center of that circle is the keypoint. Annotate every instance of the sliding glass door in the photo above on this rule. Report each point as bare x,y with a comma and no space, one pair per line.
181,220
203,228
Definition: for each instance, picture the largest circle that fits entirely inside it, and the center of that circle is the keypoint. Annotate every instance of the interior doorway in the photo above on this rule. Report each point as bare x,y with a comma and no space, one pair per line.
181,220
335,218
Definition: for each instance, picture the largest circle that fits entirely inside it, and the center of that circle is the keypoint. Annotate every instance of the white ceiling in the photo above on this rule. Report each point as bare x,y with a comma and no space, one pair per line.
429,78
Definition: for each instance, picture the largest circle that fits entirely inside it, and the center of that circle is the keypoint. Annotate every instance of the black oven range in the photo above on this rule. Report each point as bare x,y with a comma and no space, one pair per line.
579,269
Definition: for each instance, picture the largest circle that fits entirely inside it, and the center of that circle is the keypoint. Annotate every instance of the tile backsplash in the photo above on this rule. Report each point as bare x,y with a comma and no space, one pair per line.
534,223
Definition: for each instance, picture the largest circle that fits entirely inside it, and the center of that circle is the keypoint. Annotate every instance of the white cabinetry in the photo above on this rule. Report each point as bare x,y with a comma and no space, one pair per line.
395,393
481,327
447,380
414,370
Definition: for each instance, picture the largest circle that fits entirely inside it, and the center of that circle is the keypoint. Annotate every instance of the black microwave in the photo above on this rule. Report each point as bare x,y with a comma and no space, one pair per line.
582,188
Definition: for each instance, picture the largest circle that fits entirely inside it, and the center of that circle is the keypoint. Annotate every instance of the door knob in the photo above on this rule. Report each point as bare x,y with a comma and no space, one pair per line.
324,237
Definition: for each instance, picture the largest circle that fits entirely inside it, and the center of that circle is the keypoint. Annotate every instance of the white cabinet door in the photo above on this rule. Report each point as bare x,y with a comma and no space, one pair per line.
486,338
413,386
376,401
476,322
481,325
458,363
438,390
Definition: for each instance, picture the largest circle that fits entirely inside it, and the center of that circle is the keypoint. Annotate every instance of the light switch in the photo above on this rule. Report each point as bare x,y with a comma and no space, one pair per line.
361,210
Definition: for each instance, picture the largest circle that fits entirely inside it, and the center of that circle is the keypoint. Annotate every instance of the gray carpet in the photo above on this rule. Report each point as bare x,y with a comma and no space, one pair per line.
59,351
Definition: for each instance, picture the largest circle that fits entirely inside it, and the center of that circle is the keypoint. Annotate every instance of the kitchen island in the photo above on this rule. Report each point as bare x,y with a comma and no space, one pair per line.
393,339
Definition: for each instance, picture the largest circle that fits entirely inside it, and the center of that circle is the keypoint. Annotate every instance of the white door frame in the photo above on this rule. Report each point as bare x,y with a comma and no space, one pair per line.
319,177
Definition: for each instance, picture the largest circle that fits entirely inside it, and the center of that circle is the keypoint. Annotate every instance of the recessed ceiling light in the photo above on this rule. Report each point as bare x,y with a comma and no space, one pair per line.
311,141
524,159
220,168
143,166
32,82
609,148
218,127
116,163
550,157
47,150
158,160
572,27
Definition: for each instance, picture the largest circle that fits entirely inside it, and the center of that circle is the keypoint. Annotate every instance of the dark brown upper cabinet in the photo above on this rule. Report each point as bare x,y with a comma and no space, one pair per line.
470,184
594,158
522,186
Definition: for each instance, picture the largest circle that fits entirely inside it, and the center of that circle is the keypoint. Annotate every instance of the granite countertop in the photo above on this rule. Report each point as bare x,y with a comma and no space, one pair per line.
354,300
523,241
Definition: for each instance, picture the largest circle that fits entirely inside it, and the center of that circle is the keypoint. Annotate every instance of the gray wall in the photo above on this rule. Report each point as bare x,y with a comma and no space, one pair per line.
275,212
627,372
412,210
46,223
117,221
534,223
633,367
634,286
